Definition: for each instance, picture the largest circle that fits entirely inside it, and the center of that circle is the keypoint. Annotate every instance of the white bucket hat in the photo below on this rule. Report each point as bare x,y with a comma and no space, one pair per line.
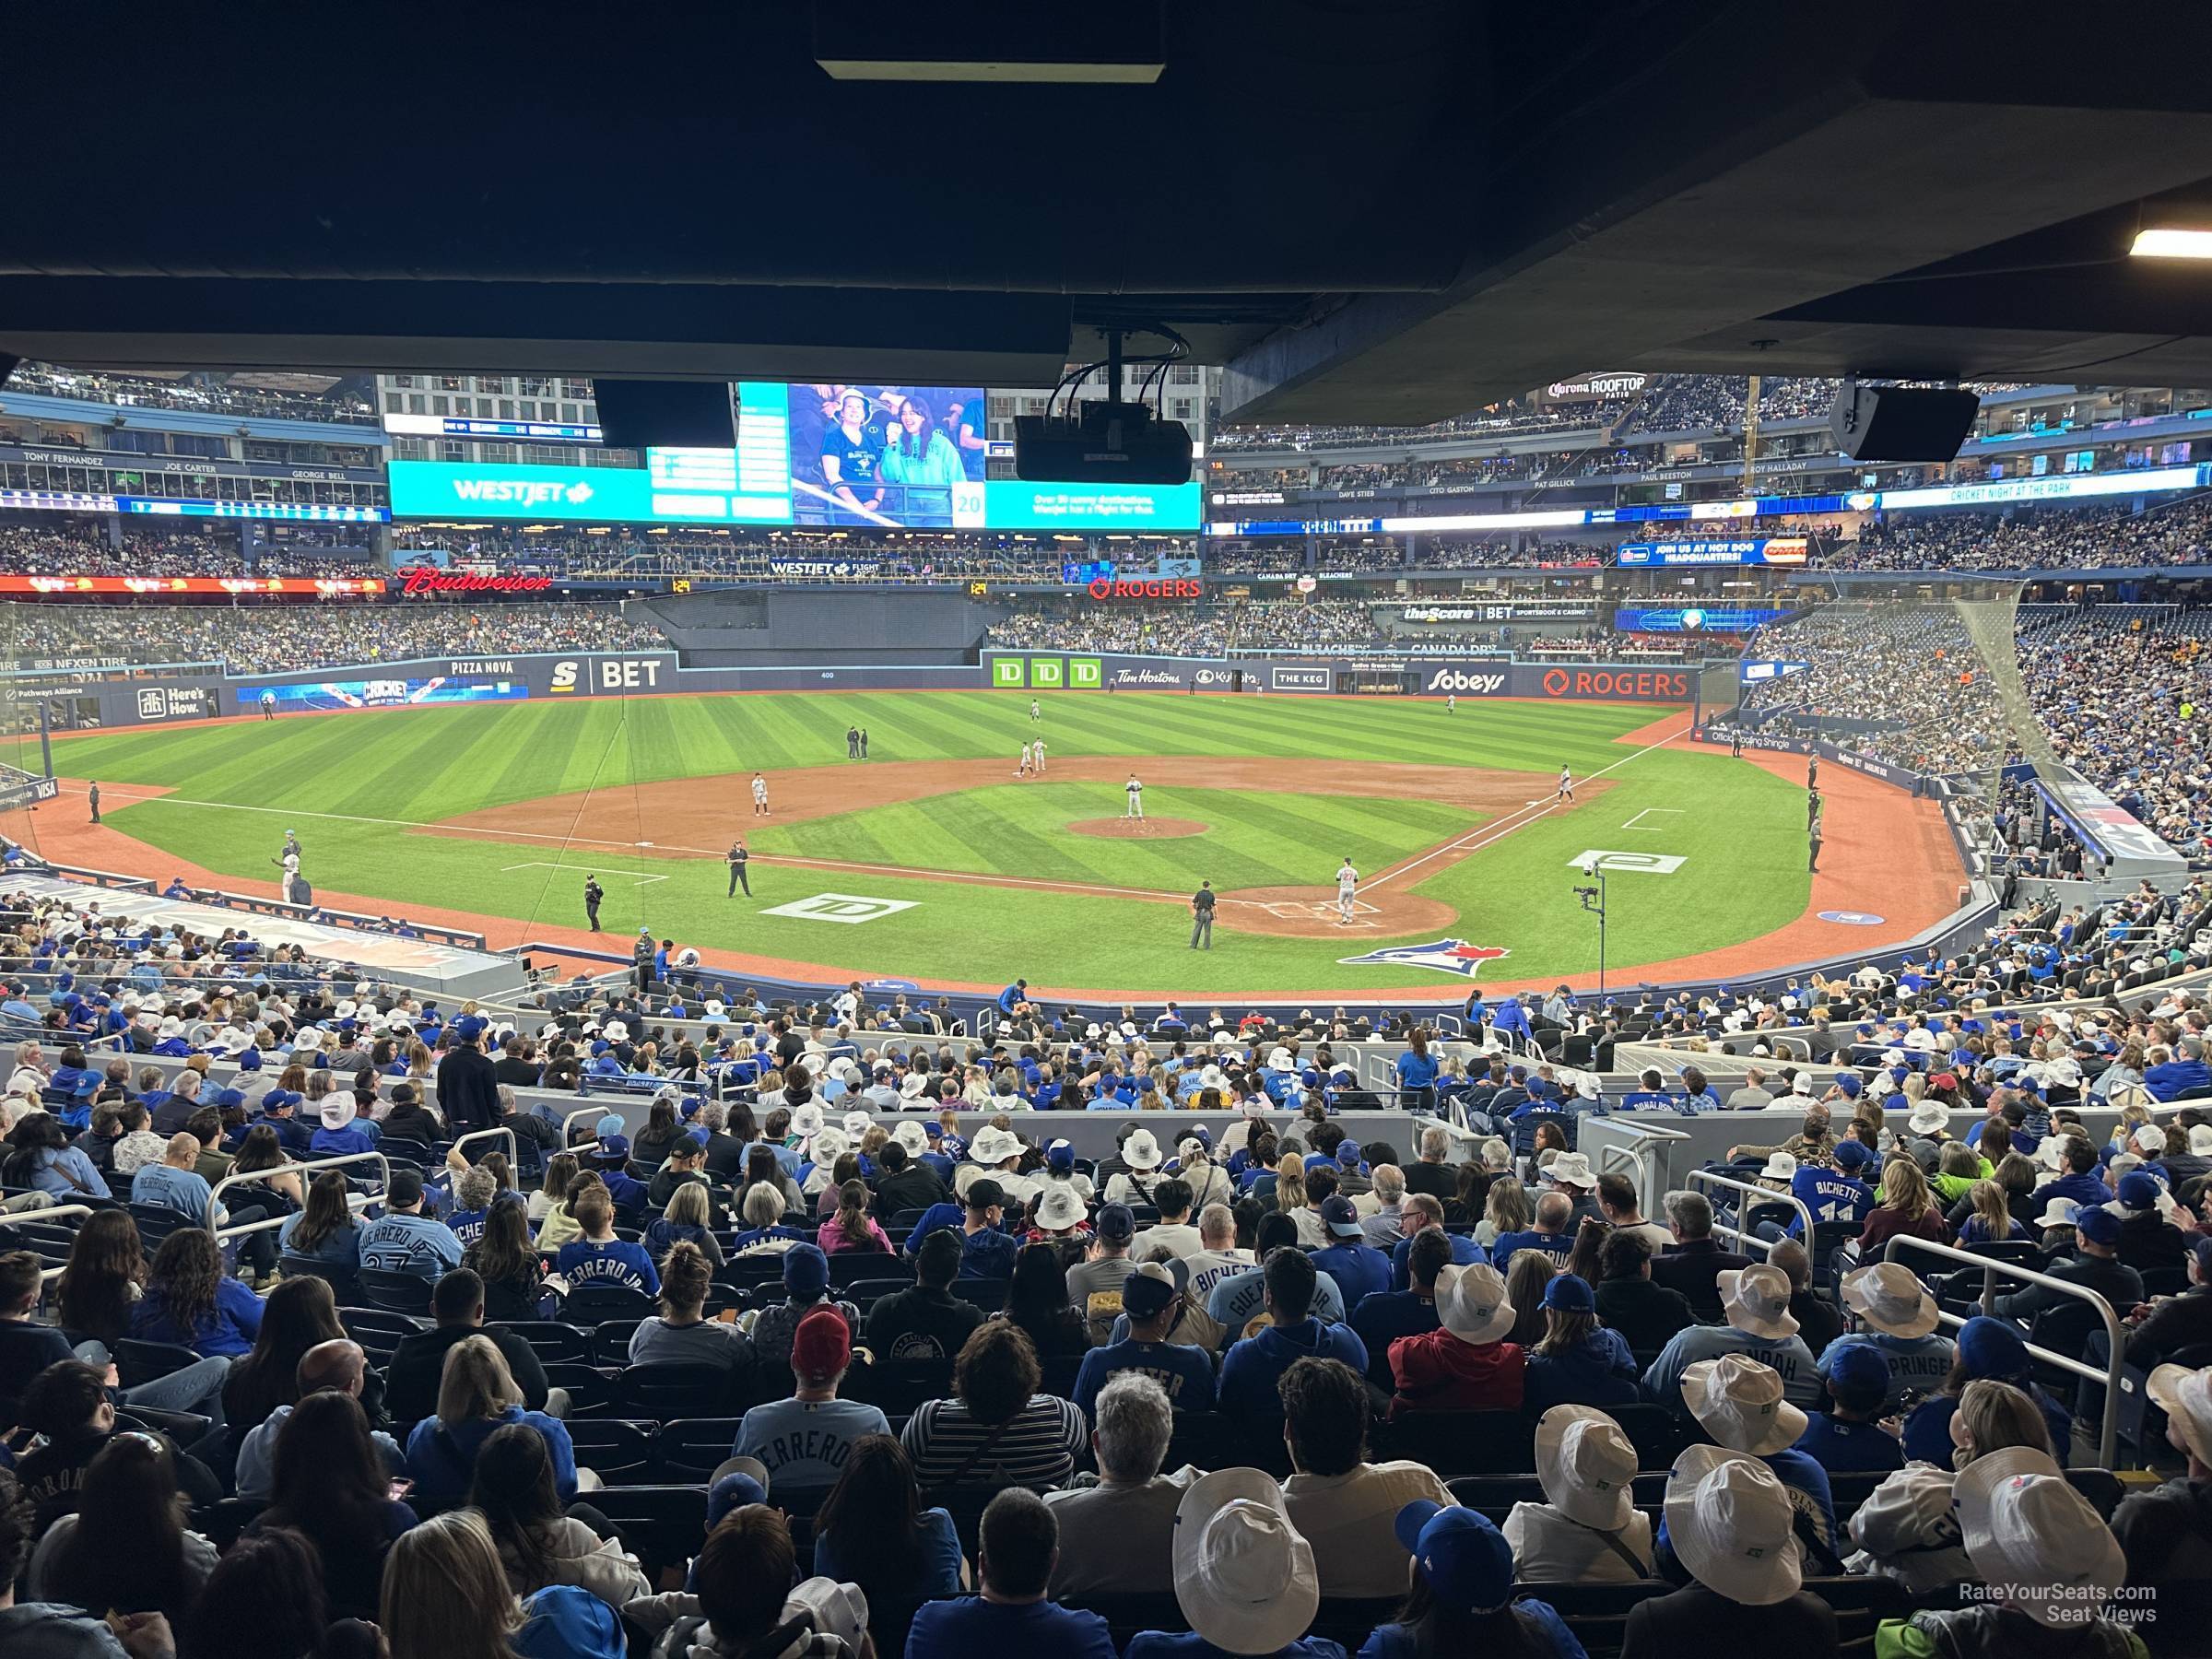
1757,1300
616,1031
912,1136
992,1145
1586,1466
337,1112
828,1146
1781,1166
858,1124
1889,1296
2185,1396
2035,1543
2200,1140
1927,1118
2059,1212
1060,1208
1471,1302
1729,1520
1141,1150
1570,1169
1243,1577
1739,1402
807,1120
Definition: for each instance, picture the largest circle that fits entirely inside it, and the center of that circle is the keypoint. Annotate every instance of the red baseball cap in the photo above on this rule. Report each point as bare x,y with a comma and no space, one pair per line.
821,1347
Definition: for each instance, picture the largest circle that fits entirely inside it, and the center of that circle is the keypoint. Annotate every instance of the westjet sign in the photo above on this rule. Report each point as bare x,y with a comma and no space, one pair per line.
448,489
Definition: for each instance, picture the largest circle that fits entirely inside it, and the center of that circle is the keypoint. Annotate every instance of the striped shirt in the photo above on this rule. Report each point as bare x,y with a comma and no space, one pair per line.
1037,1449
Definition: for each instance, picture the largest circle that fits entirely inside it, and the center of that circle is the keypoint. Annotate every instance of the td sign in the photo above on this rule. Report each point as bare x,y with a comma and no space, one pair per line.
1047,673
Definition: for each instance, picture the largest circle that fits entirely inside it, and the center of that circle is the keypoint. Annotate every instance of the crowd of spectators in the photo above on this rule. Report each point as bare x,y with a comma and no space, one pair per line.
2033,538
31,545
1191,631
344,402
2115,689
274,639
1900,684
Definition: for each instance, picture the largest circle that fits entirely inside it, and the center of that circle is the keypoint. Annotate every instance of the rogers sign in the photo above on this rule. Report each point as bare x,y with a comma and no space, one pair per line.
1165,587
1641,685
427,579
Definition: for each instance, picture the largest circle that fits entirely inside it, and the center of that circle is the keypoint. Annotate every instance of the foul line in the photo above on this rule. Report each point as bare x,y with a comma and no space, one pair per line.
1489,834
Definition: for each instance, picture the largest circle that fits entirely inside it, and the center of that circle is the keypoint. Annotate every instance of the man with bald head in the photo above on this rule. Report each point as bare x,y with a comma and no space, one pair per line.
334,1367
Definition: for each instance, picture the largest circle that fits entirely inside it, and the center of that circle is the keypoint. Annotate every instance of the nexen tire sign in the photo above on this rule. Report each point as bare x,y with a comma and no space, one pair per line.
1635,684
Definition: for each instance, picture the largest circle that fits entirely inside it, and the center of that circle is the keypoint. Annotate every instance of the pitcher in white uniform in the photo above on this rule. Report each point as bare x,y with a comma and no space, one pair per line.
1137,798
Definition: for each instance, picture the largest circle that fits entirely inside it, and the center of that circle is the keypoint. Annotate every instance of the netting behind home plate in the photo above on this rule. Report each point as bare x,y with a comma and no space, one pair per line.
1920,675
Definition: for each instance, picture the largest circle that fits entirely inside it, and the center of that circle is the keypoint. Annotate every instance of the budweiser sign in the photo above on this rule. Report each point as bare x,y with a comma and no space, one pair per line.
428,579
1163,587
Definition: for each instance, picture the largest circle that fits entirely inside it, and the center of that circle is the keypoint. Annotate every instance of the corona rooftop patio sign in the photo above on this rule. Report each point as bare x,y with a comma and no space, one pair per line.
417,580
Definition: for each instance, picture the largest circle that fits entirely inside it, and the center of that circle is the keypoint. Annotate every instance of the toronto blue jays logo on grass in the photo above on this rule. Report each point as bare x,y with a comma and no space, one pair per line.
1446,956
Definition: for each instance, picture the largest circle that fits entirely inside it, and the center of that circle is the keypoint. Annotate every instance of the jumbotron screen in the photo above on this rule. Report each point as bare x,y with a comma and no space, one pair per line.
888,457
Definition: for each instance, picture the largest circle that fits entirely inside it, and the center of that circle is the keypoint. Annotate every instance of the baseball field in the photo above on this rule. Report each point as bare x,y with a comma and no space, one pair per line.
932,860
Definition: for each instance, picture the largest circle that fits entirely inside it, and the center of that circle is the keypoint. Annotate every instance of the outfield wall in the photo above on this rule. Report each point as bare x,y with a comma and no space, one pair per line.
1381,675
117,698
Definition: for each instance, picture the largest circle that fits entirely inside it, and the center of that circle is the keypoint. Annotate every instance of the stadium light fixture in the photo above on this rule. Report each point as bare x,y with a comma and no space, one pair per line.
2172,242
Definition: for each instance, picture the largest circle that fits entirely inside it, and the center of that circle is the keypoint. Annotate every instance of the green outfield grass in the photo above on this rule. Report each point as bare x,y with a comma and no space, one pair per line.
355,786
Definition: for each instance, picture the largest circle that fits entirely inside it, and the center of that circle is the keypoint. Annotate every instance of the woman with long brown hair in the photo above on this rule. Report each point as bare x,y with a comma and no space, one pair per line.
503,1257
192,1301
539,1544
329,1482
103,1279
325,1230
295,1316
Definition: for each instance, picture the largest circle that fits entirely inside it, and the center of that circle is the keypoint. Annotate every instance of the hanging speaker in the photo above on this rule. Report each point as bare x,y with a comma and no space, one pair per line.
1901,423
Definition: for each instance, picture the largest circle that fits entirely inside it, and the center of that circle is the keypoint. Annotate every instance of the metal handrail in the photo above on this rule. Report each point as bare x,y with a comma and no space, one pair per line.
220,1233
1764,1195
1639,1159
2108,1442
515,1147
590,1145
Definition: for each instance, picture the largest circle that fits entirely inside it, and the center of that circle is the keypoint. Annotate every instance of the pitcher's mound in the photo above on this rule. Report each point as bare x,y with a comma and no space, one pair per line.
1310,912
1152,828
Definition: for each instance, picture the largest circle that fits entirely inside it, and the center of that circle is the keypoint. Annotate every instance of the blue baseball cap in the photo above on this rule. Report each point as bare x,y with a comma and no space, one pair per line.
561,1621
2137,1191
1859,1366
1991,1347
468,1028
88,1084
225,1098
1058,1156
1569,1293
1340,1216
1851,1154
806,1270
1849,1084
2098,1225
729,1492
1461,1553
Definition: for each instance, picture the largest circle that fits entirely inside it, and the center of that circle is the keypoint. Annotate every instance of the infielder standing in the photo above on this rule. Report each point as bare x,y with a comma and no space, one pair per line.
1348,885
1038,746
759,795
1035,712
1566,786
1137,799
1024,770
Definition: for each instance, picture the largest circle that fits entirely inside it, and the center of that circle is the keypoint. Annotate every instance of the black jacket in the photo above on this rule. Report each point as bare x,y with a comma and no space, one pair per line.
914,1188
468,1090
1697,1620
1647,1314
1691,1267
